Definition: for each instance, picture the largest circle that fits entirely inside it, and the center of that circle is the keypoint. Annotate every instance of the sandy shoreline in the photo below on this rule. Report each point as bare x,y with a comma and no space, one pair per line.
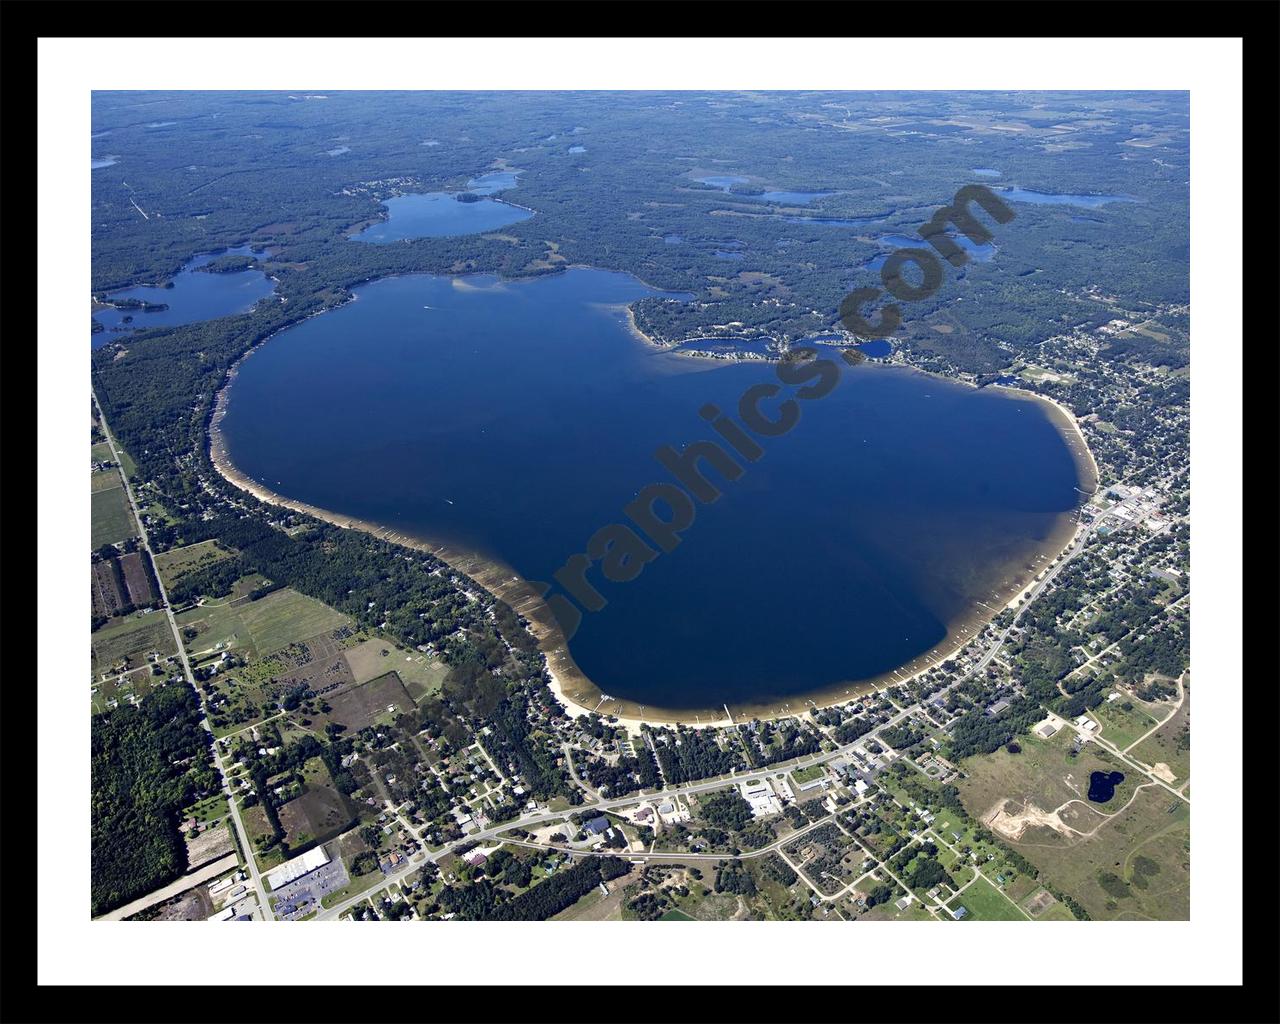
577,693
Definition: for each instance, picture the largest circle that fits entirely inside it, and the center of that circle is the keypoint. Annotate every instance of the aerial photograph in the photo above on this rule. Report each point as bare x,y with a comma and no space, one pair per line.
626,506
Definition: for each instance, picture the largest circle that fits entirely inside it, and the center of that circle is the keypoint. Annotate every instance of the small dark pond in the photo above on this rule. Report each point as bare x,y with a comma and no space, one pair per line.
1102,785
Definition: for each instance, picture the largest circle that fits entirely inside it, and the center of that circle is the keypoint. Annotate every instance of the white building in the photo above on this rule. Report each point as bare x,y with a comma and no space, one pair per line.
292,870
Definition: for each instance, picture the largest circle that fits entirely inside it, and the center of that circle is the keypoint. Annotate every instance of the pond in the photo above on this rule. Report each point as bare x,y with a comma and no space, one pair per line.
194,295
1091,202
791,198
837,222
514,419
1102,785
977,251
441,215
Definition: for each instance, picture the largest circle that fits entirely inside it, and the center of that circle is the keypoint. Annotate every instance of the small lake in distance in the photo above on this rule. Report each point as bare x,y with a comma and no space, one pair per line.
195,295
443,215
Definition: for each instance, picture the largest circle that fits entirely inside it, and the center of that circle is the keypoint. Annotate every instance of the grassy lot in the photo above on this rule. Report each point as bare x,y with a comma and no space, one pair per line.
216,623
421,675
367,704
104,480
259,628
211,808
101,452
915,911
130,642
173,565
320,813
1122,727
110,518
985,903
285,616
1042,906
127,464
808,774
1170,744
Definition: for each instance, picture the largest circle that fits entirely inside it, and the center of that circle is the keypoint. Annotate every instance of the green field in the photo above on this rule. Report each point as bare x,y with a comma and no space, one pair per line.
120,689
259,628
104,480
1124,727
675,915
285,616
110,520
101,452
985,903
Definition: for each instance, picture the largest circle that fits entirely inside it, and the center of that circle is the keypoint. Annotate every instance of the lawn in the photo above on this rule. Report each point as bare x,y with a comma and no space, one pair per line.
216,624
986,903
137,684
110,518
808,774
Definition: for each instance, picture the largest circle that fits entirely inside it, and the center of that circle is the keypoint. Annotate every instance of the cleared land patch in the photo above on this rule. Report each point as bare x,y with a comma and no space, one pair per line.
110,518
285,616
104,480
319,813
173,565
126,646
420,673
378,701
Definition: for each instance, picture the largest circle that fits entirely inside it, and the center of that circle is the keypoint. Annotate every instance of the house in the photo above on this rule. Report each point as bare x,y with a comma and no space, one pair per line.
960,912
597,826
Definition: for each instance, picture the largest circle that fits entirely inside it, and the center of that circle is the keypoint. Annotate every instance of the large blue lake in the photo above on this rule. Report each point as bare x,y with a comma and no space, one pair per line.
194,295
514,419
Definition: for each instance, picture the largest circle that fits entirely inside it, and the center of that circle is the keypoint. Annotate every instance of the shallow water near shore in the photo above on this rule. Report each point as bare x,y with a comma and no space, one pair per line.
512,420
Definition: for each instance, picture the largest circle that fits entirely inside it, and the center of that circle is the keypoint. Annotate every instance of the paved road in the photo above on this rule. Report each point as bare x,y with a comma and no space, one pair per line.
245,846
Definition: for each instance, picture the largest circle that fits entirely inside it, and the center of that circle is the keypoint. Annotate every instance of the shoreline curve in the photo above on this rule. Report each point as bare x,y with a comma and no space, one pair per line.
580,695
